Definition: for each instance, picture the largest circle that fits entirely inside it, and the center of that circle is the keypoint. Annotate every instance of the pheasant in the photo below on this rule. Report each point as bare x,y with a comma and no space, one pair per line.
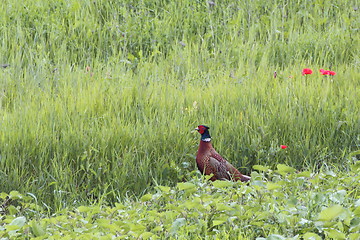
210,162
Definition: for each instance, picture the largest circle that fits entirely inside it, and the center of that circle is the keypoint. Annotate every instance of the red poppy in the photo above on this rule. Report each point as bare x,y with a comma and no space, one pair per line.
306,71
327,72
283,146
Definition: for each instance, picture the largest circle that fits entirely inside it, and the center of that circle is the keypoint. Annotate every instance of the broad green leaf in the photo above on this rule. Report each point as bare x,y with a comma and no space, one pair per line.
330,213
15,195
357,211
164,189
257,223
218,222
192,228
146,197
84,209
354,236
119,206
189,204
37,229
334,234
263,215
282,168
19,221
207,177
137,227
3,195
272,186
278,194
304,174
275,237
146,235
185,186
12,227
311,236
157,228
174,207
12,210
222,184
258,183
103,222
223,207
245,190
260,168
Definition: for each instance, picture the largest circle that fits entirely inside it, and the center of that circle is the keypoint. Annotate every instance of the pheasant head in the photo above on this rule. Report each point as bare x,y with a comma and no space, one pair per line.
204,131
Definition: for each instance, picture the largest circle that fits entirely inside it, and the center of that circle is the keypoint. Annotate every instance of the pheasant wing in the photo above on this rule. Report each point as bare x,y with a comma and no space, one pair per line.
221,171
225,170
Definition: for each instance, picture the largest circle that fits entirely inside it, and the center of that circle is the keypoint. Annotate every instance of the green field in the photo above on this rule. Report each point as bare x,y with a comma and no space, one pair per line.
100,99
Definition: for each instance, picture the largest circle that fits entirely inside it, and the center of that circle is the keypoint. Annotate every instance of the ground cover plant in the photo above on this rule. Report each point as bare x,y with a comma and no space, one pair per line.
277,204
98,100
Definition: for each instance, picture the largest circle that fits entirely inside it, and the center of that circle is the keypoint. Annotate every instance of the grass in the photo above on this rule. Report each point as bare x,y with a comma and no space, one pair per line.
72,135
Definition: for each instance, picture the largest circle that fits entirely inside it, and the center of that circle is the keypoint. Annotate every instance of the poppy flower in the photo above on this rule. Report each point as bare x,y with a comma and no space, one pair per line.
327,72
283,146
306,71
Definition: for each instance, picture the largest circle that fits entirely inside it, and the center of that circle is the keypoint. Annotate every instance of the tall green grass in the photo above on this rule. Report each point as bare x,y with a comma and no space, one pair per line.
158,69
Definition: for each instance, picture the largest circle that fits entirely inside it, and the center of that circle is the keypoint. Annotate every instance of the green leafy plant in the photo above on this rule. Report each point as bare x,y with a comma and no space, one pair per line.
290,206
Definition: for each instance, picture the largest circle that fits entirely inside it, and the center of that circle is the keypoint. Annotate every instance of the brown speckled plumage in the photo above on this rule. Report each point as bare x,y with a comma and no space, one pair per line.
210,162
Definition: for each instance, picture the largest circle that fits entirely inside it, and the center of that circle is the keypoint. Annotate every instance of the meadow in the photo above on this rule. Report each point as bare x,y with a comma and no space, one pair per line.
100,98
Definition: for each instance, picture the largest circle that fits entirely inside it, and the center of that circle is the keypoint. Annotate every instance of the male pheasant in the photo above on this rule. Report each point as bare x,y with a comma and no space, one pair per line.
210,162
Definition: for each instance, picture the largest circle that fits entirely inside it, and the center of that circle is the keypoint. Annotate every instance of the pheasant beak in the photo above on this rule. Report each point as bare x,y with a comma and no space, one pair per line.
196,129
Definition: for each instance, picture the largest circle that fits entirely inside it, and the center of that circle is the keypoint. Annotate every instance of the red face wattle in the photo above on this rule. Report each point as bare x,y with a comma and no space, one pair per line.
201,129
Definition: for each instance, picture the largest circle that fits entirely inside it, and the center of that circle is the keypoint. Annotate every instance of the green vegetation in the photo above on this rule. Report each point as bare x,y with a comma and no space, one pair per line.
100,97
277,204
